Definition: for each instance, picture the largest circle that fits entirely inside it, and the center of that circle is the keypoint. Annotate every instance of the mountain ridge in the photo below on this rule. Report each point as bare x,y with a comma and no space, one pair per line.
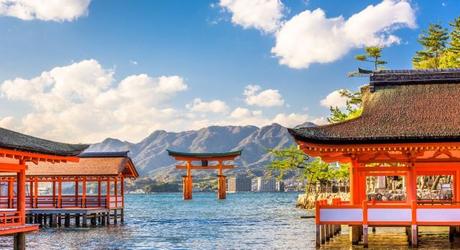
152,160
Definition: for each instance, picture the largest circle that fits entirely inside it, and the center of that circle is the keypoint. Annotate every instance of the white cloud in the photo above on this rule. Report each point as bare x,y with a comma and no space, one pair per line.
334,99
214,106
290,120
49,10
311,37
264,15
255,96
82,102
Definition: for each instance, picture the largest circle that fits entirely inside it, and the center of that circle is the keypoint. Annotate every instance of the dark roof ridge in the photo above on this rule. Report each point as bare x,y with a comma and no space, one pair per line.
123,154
10,139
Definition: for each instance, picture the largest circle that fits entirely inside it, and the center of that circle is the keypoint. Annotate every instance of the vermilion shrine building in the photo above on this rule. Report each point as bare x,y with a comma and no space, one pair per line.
92,188
17,151
410,127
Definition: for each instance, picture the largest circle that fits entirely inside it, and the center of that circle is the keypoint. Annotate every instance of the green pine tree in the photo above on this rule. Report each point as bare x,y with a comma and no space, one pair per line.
373,55
434,42
455,36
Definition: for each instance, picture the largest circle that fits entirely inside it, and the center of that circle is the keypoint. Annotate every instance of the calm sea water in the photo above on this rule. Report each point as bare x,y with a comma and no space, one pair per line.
165,221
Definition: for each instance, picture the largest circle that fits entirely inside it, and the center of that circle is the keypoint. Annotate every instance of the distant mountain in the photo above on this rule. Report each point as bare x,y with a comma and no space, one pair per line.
152,160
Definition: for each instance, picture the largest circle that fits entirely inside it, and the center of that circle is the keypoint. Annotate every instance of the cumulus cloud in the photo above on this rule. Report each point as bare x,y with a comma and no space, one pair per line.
83,102
334,99
49,10
255,96
312,37
214,106
264,15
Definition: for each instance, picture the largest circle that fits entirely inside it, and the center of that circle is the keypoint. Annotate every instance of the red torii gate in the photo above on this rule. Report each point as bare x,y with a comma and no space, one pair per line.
205,159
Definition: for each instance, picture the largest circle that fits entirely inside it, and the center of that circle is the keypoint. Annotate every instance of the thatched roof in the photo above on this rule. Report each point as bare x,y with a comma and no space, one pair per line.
17,141
399,106
92,164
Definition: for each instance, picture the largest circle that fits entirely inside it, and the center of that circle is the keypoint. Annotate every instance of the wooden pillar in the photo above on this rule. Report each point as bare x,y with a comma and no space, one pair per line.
115,191
99,192
188,183
59,198
365,225
354,182
414,231
457,186
318,225
35,192
54,192
221,183
122,193
411,183
10,193
31,193
108,193
76,191
21,193
83,197
20,241
354,232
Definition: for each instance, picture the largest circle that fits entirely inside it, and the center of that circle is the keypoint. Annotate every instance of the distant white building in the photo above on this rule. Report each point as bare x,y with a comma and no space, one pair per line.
238,184
268,185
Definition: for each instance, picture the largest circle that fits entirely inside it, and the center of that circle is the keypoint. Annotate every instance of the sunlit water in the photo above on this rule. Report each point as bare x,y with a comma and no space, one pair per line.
165,221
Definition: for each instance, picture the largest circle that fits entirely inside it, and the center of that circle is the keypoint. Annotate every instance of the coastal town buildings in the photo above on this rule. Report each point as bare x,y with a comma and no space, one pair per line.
264,184
239,183
409,131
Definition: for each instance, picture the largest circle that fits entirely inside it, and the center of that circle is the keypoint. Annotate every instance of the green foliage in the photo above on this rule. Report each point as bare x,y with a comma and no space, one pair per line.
352,110
434,43
455,36
313,171
286,160
373,55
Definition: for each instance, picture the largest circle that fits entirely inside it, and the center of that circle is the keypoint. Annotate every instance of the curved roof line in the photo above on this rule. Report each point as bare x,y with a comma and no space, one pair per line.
204,155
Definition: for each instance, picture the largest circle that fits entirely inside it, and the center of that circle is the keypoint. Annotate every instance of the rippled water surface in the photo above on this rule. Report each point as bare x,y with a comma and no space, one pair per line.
165,221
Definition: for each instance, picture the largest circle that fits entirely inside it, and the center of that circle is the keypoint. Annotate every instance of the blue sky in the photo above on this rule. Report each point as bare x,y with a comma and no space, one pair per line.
214,57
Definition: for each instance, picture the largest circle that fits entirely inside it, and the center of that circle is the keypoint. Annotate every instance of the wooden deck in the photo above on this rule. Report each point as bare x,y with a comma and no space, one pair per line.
396,238
10,230
74,216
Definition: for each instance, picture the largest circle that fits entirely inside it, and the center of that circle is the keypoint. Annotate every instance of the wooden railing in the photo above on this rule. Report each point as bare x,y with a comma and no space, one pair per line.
10,218
65,201
394,214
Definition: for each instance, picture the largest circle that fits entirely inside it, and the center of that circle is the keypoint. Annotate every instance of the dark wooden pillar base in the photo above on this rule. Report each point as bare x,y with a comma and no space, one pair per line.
20,241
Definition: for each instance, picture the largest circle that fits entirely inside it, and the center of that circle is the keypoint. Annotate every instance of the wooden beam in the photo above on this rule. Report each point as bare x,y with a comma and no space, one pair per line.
205,167
9,167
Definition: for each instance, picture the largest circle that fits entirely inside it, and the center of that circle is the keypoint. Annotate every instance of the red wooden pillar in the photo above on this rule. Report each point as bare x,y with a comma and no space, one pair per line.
10,193
115,184
99,191
411,184
76,191
221,184
31,192
59,199
36,192
354,183
54,192
457,186
188,183
108,193
83,197
21,193
122,191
